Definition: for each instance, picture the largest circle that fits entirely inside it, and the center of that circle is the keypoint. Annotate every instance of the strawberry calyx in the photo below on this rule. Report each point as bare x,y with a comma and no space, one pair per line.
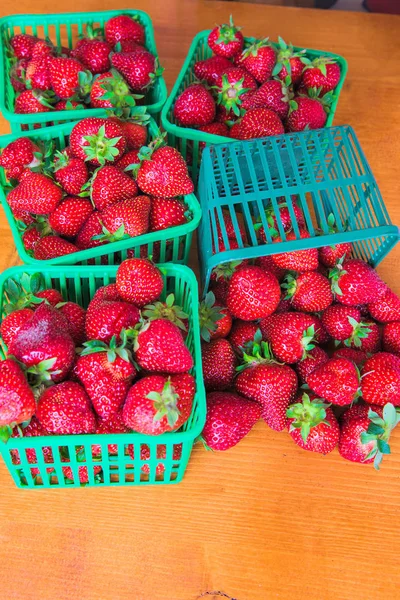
113,349
100,147
209,315
379,430
42,372
158,71
361,331
256,352
61,160
117,92
46,98
320,63
166,403
314,93
85,83
307,414
290,286
226,270
285,53
92,33
335,274
108,237
227,32
307,340
146,153
166,310
229,94
253,49
21,294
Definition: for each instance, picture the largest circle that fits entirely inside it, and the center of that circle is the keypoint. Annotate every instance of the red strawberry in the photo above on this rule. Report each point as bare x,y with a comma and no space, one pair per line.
33,101
65,408
43,48
109,185
69,216
34,429
330,255
259,59
195,106
157,404
386,308
313,425
210,69
380,381
322,74
12,323
259,122
230,418
355,282
358,357
23,44
267,264
253,293
76,316
337,381
164,174
315,357
300,260
127,218
93,53
232,87
308,292
365,432
215,321
220,278
71,173
64,76
219,364
92,228
36,194
274,95
139,281
139,68
38,73
21,152
291,336
242,332
226,40
159,346
167,310
50,295
337,320
19,173
106,318
17,402
134,130
17,75
130,158
124,28
305,112
215,129
114,424
166,213
391,337
98,141
129,45
53,246
289,63
110,90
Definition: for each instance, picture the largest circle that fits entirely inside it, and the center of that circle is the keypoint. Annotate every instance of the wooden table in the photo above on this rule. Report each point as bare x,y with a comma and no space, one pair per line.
266,519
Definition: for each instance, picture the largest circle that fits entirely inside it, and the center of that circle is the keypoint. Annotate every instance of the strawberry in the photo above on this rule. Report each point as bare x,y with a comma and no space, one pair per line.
106,373
159,346
69,216
229,228
21,152
107,318
300,260
110,90
195,106
241,333
308,113
259,122
312,424
253,293
322,74
219,364
380,381
232,87
50,295
230,418
365,432
43,48
33,101
114,424
19,173
64,76
166,213
65,408
76,317
130,158
365,336
267,264
215,321
270,384
37,73
167,310
164,174
139,281
69,105
134,130
214,128
53,246
127,218
124,28
36,194
226,40
337,320
17,74
274,95
139,68
98,141
128,46
34,429
289,62
145,455
391,337
210,69
12,323
259,59
355,282
22,45
386,308
337,381
93,53
71,173
220,278
291,336
17,402
109,185
358,357
331,255
308,292
90,232
286,220
315,357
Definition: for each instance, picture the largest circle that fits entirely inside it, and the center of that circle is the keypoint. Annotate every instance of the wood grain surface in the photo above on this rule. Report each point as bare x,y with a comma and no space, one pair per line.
266,519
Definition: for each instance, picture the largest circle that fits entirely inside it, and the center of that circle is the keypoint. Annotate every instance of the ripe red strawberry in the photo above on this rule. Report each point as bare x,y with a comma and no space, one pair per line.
17,402
110,185
267,264
380,382
127,218
386,308
64,76
106,318
322,74
34,429
33,101
23,44
365,432
114,424
274,95
315,357
165,174
300,260
259,122
313,425
330,255
53,246
306,112
291,336
226,40
12,323
98,141
93,53
139,281
241,334
215,129
17,74
129,45
159,346
232,87
358,357
219,364
337,321
19,173
134,131
157,404
65,408
50,295
76,317
391,337
124,28
92,228
71,173
106,373
43,48
195,106
166,213
69,216
210,69
308,292
215,321
110,90
130,158
36,194
230,418
337,381
21,152
259,59
139,68
355,282
38,73
289,63
253,293
365,336
23,215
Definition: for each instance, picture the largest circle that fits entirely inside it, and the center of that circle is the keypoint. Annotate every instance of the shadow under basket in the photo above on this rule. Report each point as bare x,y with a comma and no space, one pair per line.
162,460
322,173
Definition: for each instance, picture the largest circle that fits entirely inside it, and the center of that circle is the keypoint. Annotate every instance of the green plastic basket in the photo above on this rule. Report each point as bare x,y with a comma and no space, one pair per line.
187,139
78,284
63,30
172,244
324,171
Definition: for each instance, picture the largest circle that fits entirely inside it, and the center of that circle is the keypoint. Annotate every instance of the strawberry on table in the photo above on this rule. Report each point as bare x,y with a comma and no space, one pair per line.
65,408
195,106
219,364
337,381
17,402
226,40
380,379
253,293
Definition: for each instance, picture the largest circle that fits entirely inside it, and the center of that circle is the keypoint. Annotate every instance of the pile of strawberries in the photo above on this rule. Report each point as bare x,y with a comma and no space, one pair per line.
108,68
310,342
106,185
121,365
248,91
